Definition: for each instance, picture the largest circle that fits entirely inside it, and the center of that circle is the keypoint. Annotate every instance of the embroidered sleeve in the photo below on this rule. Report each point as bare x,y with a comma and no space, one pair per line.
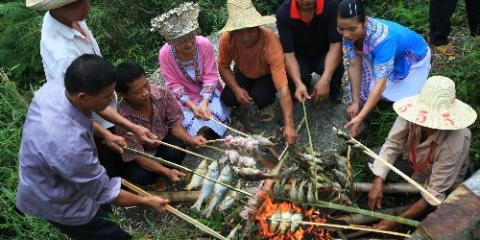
383,60
181,95
208,92
349,49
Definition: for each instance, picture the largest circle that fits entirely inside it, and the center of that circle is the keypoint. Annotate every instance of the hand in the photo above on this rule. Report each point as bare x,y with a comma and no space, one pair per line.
242,96
321,90
144,135
301,93
290,134
205,112
385,225
115,142
175,176
354,125
197,140
353,109
157,203
376,194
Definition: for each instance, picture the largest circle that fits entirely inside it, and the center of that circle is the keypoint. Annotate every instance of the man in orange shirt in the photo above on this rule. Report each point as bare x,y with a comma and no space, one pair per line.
259,71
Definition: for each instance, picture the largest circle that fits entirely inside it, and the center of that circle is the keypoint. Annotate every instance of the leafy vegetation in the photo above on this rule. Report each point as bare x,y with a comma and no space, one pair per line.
122,30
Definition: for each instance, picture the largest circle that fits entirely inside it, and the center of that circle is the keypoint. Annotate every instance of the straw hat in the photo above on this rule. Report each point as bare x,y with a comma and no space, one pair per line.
46,5
436,107
178,22
242,14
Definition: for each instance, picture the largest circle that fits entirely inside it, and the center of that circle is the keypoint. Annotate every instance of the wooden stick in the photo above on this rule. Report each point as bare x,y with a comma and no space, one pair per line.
373,155
281,158
178,196
230,128
363,219
220,140
325,204
175,211
184,150
174,165
310,143
349,227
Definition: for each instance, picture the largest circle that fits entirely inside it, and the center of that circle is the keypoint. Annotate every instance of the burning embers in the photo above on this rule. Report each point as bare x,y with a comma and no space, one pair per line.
289,227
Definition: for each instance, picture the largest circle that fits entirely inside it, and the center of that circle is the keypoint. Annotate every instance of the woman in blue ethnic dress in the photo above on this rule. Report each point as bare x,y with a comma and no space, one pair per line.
387,60
187,63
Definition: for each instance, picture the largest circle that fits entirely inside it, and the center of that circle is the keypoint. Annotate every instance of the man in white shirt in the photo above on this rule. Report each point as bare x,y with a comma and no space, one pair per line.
65,36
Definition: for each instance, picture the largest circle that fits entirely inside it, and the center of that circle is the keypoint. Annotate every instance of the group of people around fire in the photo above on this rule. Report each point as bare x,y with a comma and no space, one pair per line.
71,154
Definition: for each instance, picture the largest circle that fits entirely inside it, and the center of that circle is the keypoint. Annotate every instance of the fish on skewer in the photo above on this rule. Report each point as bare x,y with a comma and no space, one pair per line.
295,218
285,224
293,190
219,190
277,215
232,156
246,161
196,179
207,185
230,199
251,174
300,192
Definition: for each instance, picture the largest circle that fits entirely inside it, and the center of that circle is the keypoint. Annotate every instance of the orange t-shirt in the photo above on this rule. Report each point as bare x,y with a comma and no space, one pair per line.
266,57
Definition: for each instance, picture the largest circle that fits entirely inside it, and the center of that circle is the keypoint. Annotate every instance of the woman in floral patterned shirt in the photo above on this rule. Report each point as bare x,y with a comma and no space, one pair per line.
387,60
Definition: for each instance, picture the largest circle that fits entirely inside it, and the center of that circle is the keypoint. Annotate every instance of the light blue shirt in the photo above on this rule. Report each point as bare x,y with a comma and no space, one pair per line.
60,177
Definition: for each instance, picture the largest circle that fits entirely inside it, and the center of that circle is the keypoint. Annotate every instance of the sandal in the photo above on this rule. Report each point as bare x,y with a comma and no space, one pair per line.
446,50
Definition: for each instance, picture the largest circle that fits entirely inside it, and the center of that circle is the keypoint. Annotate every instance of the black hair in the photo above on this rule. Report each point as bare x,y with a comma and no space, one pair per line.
352,8
90,74
128,72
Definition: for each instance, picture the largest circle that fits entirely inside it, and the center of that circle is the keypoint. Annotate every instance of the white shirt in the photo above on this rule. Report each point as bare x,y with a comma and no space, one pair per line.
60,45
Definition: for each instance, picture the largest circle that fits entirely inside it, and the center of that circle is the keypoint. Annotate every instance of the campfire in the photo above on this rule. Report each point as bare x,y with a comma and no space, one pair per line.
269,213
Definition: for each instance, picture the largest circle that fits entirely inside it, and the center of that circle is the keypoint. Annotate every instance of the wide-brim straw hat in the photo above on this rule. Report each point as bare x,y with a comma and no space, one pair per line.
178,22
242,14
46,5
436,106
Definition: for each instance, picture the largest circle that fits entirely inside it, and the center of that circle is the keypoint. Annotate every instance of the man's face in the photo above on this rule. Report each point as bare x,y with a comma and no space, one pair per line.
248,36
138,92
98,102
306,4
77,10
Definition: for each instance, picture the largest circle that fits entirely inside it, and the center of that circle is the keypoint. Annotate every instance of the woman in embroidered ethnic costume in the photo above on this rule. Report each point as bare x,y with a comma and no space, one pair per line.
387,60
187,63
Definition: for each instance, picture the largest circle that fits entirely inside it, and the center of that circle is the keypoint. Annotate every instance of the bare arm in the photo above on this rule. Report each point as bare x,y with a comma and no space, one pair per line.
332,60
290,134
125,199
293,70
181,133
113,141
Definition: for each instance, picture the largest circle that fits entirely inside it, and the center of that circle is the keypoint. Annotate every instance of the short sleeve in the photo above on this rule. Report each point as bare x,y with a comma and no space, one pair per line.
285,32
349,49
383,59
225,57
333,35
276,61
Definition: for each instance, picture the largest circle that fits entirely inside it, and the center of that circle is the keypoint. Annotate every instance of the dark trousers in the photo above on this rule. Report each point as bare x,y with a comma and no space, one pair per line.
99,228
137,174
109,159
262,90
440,14
308,65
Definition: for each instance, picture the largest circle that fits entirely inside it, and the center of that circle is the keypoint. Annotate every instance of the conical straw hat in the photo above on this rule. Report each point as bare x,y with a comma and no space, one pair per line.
46,5
178,22
436,106
242,14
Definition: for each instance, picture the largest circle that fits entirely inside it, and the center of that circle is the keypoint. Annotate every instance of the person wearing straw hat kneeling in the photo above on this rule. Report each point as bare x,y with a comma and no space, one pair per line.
60,177
259,71
431,131
187,62
66,36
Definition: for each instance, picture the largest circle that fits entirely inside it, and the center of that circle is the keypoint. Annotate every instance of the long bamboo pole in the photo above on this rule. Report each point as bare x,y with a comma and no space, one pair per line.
310,143
184,150
174,165
230,128
325,204
281,159
356,144
349,227
175,211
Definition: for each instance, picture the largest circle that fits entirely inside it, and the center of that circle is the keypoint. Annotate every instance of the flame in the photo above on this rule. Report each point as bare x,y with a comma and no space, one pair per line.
268,208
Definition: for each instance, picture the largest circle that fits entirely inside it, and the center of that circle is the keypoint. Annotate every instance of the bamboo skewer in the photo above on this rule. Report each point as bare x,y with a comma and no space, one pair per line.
373,155
184,150
175,211
350,227
325,204
310,143
230,128
281,158
174,165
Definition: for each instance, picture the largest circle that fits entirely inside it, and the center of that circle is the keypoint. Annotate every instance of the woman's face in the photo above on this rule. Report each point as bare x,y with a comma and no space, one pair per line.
186,45
351,28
